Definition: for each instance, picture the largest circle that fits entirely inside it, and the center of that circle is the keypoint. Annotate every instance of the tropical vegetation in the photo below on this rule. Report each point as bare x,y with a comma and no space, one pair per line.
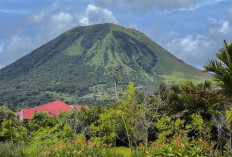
181,119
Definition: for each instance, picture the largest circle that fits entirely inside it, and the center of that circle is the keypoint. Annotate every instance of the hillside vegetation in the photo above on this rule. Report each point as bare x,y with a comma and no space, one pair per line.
77,66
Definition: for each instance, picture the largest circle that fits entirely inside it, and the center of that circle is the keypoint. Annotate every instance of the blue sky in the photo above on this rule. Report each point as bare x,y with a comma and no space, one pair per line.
192,30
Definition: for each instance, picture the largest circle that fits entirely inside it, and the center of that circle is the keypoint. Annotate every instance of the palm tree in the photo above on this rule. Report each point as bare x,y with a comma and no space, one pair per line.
222,67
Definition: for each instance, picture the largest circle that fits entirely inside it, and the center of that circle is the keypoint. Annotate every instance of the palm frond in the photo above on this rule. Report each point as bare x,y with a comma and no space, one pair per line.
215,67
222,68
229,53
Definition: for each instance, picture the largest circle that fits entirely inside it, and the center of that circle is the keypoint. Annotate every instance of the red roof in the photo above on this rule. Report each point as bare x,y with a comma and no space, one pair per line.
52,108
17,114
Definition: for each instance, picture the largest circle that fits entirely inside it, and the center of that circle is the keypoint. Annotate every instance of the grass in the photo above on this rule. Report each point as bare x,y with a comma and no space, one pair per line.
75,49
179,77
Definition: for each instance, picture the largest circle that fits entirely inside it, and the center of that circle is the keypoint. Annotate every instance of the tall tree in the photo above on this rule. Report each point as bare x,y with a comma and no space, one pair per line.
222,67
116,76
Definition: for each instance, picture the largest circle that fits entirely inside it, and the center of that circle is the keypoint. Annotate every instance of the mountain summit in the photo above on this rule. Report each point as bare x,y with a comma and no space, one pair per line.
78,66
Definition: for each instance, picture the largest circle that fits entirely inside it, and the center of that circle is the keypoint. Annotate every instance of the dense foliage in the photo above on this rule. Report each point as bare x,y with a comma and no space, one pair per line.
181,120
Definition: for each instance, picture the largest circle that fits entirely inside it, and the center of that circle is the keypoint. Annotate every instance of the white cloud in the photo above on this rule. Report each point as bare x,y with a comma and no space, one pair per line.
163,5
197,50
201,3
60,23
148,4
52,24
18,46
84,21
38,17
62,17
96,15
190,49
220,27
173,4
13,11
49,24
115,2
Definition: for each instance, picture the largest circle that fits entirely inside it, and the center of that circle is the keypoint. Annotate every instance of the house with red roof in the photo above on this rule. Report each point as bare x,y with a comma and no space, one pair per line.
52,108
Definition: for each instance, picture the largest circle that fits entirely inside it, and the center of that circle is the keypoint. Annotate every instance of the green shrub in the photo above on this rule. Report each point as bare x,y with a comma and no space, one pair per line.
181,146
80,148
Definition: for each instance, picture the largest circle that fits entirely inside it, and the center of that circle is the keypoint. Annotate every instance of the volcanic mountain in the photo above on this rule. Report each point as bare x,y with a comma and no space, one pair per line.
77,66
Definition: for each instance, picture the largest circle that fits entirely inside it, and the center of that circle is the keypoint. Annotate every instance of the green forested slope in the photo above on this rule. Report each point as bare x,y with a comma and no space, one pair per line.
77,67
